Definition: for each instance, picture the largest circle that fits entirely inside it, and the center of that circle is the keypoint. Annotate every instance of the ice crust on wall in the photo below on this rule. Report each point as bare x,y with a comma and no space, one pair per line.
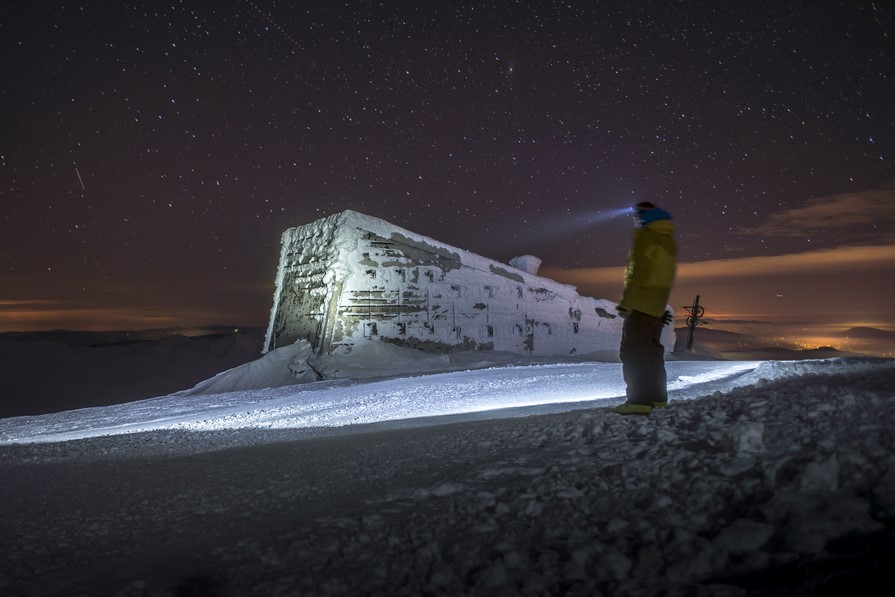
351,278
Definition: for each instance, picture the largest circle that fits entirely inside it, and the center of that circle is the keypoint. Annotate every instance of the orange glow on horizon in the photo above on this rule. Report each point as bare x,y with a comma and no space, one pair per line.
109,319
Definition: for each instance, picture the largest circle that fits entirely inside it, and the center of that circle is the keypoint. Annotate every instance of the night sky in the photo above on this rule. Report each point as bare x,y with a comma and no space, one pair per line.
152,153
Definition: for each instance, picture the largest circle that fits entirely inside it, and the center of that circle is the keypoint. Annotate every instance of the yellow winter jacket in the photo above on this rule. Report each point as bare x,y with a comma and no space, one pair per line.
651,267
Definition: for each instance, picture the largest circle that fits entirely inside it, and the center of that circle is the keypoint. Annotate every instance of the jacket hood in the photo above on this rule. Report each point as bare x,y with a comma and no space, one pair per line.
661,226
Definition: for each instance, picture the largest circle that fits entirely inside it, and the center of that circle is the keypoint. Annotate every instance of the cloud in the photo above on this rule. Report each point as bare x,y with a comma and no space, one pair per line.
866,217
826,261
18,304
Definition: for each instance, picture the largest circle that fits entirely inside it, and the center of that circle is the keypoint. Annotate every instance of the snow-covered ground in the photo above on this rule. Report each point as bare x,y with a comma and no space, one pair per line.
456,477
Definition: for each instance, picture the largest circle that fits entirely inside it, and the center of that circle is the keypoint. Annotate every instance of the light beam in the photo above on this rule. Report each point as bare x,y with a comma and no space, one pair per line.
580,221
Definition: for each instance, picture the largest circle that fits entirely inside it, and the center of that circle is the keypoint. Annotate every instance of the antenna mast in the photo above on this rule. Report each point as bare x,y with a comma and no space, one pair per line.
693,319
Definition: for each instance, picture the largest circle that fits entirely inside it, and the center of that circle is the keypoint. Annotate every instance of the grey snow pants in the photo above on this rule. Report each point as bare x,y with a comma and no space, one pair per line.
643,359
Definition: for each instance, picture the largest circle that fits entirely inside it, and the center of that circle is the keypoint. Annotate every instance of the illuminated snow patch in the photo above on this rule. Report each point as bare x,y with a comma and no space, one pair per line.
346,403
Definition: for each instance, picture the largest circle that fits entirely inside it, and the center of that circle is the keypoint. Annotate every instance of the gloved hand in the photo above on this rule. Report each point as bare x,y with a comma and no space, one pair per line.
667,318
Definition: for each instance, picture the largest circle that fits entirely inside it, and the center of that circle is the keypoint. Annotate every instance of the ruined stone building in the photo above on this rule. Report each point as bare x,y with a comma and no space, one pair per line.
351,278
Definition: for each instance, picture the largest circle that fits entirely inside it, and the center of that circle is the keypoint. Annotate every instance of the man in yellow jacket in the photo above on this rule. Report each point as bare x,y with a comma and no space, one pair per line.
649,276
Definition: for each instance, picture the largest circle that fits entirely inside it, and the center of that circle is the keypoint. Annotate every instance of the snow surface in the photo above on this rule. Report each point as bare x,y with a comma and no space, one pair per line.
761,477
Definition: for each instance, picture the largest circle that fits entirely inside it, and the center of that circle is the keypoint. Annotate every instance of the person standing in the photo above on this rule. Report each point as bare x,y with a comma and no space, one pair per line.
649,276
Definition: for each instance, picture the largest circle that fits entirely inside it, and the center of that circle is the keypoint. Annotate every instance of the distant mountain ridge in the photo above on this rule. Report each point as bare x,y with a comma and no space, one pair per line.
865,332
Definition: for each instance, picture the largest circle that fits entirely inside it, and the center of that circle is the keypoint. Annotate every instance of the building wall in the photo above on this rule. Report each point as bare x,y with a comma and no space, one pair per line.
304,286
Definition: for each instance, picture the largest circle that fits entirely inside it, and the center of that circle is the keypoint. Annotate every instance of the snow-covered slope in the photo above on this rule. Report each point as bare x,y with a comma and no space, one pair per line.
758,479
352,402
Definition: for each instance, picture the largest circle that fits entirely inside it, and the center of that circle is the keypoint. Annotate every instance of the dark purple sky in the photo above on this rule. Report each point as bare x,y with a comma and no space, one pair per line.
153,153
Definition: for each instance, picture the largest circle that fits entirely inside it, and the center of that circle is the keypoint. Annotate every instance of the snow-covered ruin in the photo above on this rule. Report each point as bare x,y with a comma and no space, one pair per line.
351,278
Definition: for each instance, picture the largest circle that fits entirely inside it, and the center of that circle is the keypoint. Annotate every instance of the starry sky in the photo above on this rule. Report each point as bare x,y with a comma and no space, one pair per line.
152,153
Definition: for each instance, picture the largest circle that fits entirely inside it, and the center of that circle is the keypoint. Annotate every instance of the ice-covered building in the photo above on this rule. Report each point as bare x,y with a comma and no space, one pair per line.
351,278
